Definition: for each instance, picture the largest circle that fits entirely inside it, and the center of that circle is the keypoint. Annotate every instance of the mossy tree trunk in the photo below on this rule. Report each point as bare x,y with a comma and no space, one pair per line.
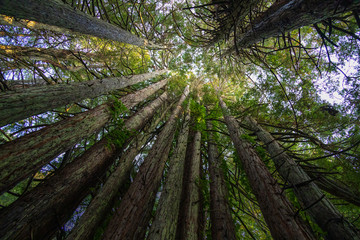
278,212
131,219
20,104
26,155
307,192
40,212
166,217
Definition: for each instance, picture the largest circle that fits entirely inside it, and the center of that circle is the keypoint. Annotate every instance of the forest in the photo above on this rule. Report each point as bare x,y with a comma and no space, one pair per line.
179,119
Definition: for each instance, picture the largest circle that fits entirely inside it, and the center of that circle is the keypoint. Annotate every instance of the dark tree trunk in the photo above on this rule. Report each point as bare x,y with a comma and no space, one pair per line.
56,13
103,201
189,216
275,207
312,199
20,104
40,212
24,156
165,222
132,217
293,15
222,224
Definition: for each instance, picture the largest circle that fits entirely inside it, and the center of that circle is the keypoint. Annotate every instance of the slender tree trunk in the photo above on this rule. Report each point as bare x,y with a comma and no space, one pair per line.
103,201
333,186
26,155
131,218
312,199
46,208
56,13
189,218
275,207
222,223
293,15
24,103
164,225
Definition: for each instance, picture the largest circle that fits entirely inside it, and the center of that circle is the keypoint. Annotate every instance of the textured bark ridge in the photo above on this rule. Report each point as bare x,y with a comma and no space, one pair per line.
275,207
53,12
312,199
293,15
26,155
39,213
131,218
222,224
166,218
189,216
24,103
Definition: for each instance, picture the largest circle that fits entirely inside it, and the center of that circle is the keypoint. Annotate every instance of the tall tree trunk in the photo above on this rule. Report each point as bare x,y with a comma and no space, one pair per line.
222,223
131,218
310,196
275,207
189,218
334,187
164,225
26,155
24,103
103,201
43,210
56,13
293,15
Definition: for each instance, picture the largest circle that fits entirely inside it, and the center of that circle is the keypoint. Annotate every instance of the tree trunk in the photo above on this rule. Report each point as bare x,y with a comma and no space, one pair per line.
26,155
275,207
293,15
103,201
312,199
334,187
56,13
24,103
189,218
41,211
222,223
131,218
164,225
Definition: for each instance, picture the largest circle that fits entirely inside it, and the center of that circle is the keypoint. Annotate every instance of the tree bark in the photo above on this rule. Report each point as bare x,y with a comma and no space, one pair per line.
26,155
275,207
222,223
103,201
293,15
310,196
165,222
131,218
24,103
56,13
189,218
43,210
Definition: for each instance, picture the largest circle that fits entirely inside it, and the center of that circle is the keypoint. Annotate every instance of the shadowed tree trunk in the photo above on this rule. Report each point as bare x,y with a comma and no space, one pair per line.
189,216
26,155
165,222
334,187
312,199
222,224
103,201
290,16
277,210
56,13
40,212
131,219
24,103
